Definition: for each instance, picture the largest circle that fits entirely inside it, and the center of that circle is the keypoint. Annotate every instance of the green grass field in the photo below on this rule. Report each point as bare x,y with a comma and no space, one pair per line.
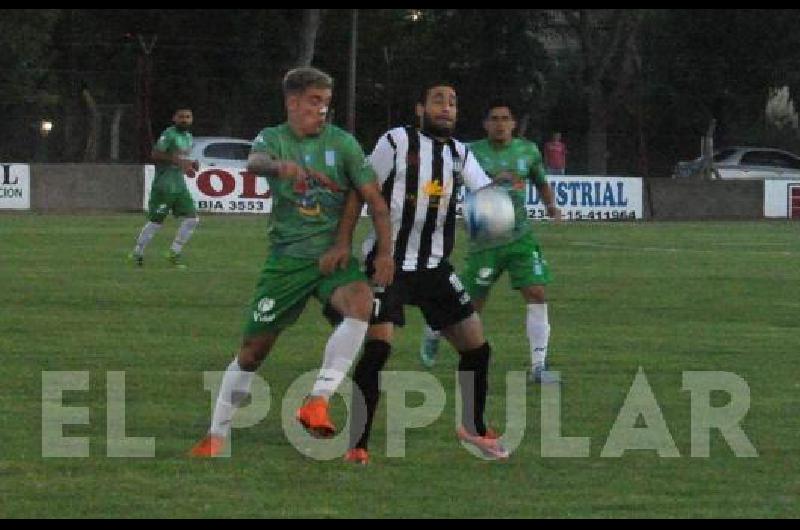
667,297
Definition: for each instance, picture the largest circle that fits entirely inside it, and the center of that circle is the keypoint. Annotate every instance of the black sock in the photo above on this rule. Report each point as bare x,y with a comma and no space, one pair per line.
473,378
367,378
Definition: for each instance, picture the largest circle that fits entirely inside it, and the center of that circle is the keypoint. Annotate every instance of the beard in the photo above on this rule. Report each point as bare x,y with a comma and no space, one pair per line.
183,127
435,130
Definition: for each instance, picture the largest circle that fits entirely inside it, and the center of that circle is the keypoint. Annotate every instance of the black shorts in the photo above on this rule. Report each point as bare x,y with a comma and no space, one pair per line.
438,293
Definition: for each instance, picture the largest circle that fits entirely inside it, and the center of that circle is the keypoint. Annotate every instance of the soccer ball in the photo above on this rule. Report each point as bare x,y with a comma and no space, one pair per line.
489,213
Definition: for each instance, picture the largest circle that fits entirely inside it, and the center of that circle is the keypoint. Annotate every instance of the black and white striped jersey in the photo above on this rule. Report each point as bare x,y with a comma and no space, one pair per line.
420,179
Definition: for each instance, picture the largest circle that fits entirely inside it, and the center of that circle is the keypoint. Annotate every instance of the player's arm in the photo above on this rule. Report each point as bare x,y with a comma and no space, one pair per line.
475,177
546,193
377,170
538,175
379,211
339,254
370,172
164,152
262,163
263,160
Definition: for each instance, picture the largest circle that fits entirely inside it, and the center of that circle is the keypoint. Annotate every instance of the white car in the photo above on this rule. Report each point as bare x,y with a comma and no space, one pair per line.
733,163
215,151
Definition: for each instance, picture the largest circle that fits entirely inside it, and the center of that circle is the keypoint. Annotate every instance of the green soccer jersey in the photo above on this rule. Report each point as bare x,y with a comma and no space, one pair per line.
304,219
522,159
169,177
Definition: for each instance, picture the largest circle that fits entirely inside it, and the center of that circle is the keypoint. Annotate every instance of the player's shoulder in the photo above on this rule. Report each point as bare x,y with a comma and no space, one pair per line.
461,147
392,139
166,138
526,145
483,143
267,134
336,133
336,138
523,142
396,135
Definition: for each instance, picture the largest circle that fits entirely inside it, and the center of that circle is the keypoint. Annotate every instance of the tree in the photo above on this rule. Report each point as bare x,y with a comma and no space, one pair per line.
25,77
610,61
307,39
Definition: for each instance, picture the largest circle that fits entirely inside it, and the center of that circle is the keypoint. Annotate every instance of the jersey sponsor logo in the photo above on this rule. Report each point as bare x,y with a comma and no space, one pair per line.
263,312
484,276
330,158
311,210
309,206
433,189
522,166
538,263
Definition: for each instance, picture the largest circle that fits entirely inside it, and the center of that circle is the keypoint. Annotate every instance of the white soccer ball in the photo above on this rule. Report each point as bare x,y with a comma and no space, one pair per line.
489,213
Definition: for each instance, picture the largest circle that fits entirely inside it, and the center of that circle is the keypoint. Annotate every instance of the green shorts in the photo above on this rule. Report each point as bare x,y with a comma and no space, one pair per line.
522,259
285,286
162,202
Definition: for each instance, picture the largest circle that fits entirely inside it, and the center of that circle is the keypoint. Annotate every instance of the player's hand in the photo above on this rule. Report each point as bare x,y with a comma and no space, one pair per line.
287,169
323,179
384,270
193,169
335,257
184,164
554,212
291,170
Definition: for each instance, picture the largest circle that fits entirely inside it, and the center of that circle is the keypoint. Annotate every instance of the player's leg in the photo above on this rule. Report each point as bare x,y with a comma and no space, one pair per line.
529,272
280,296
349,294
184,209
537,326
157,211
447,307
234,391
480,273
387,312
366,376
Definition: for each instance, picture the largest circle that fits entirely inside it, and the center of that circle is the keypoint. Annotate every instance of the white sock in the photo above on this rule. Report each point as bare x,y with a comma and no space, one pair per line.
233,391
538,328
430,334
145,236
184,233
340,352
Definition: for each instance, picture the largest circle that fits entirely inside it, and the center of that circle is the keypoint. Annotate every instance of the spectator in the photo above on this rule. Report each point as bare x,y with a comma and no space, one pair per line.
555,155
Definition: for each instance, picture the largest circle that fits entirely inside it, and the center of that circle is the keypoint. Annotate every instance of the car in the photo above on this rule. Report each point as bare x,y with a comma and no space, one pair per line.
733,163
218,151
